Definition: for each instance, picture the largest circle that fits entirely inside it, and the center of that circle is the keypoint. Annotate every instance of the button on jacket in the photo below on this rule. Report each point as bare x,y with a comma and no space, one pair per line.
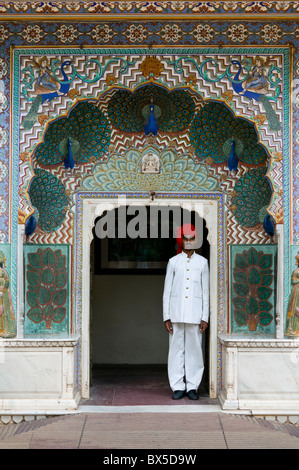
186,289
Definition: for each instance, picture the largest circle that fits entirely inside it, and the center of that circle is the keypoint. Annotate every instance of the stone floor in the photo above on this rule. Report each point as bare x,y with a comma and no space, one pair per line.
137,385
143,434
111,421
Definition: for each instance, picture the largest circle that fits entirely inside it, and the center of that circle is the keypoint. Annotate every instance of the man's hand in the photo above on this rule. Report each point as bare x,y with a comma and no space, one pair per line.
168,326
203,326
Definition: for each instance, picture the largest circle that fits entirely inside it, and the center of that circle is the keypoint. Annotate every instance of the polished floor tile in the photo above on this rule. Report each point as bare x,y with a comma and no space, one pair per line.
136,386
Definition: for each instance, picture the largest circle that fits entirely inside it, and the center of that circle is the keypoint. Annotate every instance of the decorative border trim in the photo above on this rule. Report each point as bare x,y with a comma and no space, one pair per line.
145,50
81,196
44,343
117,10
255,343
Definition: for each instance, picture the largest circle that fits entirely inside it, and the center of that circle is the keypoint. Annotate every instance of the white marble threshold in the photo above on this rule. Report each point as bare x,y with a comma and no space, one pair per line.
158,409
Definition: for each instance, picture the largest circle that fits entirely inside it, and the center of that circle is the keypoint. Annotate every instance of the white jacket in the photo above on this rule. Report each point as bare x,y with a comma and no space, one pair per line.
186,289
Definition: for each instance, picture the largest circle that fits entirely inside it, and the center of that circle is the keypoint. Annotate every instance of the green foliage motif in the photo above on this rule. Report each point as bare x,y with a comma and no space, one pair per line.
253,278
48,196
47,280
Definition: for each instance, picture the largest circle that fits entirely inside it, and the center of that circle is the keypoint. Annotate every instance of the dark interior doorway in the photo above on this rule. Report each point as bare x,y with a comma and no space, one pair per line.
129,344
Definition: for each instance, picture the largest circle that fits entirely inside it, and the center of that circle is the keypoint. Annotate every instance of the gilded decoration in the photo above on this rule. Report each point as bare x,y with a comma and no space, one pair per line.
151,66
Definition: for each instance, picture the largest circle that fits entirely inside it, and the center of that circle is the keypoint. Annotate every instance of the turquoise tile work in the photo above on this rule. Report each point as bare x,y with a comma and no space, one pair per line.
8,327
252,289
46,269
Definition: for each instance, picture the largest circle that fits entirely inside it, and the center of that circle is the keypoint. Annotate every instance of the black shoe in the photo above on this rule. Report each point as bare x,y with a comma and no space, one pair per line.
178,394
193,395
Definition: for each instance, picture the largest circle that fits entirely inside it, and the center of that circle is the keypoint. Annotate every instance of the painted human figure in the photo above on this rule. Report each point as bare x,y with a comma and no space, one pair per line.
258,78
292,323
186,315
7,317
45,81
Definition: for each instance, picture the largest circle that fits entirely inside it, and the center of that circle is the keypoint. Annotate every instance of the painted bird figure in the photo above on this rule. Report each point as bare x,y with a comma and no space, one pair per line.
233,160
151,125
269,225
30,227
237,85
31,118
69,161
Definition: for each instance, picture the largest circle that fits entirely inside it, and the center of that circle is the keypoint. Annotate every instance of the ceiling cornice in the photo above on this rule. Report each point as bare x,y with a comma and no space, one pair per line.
166,10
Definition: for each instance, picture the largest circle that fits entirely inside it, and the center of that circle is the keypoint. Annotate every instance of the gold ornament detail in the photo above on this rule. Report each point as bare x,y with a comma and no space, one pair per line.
278,217
22,216
260,119
73,93
209,160
151,66
228,95
42,118
111,79
191,79
24,157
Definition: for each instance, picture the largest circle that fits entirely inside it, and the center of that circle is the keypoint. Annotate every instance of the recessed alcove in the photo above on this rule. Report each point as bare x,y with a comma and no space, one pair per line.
208,210
127,280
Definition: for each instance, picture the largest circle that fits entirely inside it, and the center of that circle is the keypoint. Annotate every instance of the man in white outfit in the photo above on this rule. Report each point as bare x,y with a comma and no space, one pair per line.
186,316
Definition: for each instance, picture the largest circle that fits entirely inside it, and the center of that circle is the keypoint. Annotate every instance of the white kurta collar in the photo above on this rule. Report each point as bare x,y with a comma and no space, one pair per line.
186,256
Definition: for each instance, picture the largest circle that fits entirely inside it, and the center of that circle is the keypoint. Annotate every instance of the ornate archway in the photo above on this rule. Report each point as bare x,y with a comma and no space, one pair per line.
208,207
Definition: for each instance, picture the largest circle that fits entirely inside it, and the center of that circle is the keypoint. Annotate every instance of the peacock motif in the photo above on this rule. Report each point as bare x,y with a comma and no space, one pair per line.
47,87
151,123
256,88
48,195
30,226
213,130
252,194
85,127
174,109
217,136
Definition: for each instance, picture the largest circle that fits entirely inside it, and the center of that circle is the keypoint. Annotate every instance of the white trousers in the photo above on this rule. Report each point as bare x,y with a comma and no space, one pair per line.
185,358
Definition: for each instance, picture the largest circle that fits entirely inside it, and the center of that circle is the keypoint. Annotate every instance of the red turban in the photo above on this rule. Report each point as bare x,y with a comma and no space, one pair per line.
186,229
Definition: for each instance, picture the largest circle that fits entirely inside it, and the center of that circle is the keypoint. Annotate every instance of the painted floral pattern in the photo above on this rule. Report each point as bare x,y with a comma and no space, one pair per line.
67,33
253,286
3,68
47,292
32,34
3,171
3,137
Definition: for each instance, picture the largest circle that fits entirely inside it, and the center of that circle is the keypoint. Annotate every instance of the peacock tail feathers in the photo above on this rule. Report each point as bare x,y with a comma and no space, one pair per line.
47,194
127,109
272,117
31,118
88,130
253,193
215,126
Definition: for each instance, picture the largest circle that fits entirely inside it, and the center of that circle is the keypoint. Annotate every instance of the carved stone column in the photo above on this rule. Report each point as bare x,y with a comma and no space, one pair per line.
91,210
280,283
20,314
229,393
211,217
88,222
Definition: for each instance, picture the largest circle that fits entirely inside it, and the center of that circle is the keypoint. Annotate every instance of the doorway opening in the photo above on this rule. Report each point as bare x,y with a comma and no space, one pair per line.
128,341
